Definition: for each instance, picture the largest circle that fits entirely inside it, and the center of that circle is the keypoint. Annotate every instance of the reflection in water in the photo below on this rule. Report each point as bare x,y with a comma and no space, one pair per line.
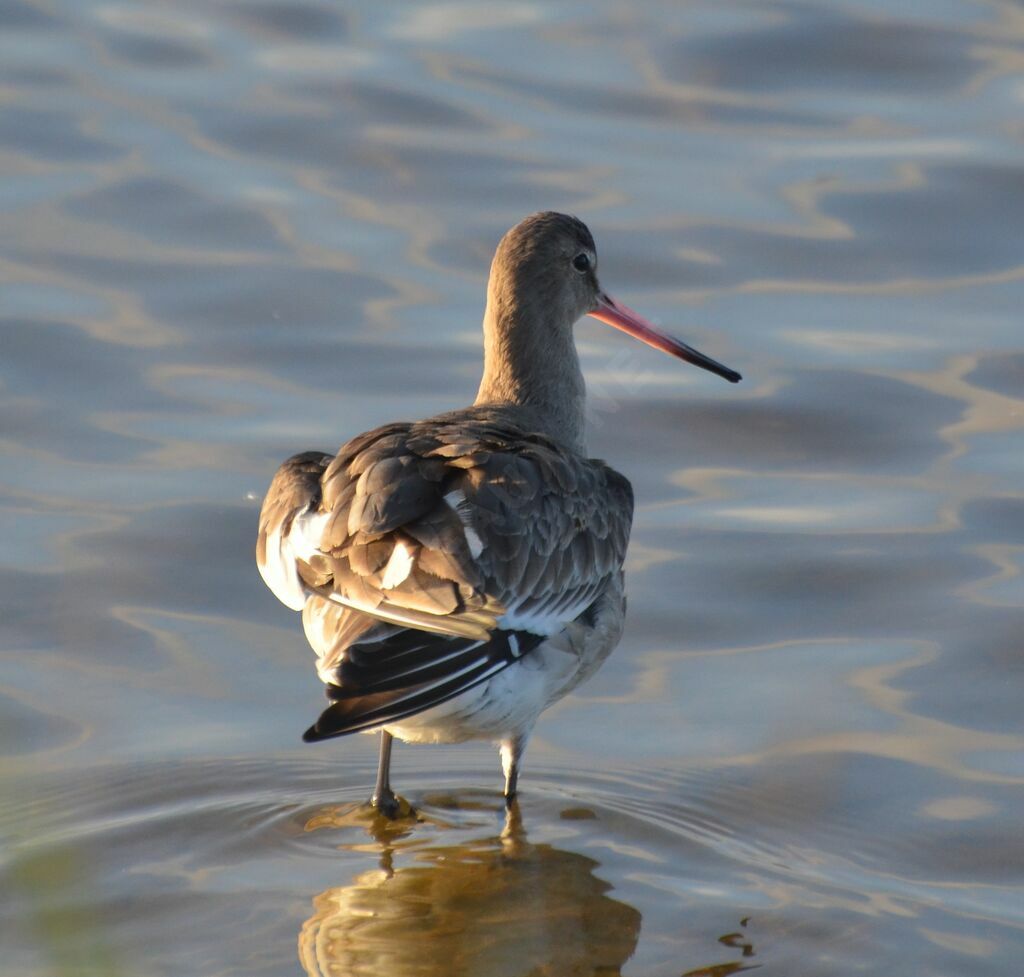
738,941
491,906
720,970
486,905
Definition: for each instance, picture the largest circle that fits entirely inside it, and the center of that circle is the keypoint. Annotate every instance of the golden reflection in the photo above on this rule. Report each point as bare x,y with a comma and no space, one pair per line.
495,906
721,969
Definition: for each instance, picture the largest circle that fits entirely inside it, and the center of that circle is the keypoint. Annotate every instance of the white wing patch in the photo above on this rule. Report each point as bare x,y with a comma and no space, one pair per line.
399,567
458,502
280,572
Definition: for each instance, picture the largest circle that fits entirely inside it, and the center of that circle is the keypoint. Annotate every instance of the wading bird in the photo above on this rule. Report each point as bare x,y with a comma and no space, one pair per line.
459,574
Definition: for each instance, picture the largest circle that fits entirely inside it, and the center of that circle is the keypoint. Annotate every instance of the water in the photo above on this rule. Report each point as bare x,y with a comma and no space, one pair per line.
232,231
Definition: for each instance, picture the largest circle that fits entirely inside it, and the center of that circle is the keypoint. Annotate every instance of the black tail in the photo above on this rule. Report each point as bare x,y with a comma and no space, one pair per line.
388,680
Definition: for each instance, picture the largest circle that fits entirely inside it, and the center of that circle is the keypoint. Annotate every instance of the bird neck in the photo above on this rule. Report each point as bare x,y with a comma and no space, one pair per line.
533,365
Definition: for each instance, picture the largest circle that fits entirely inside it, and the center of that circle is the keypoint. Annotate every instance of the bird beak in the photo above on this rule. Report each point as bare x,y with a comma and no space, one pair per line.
623,317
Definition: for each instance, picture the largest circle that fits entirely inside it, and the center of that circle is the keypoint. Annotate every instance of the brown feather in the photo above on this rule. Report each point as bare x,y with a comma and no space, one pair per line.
552,524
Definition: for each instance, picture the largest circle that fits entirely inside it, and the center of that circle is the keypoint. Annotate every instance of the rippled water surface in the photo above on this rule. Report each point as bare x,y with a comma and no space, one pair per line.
234,230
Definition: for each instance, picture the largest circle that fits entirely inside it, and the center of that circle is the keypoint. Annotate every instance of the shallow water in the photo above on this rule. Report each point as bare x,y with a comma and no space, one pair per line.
232,231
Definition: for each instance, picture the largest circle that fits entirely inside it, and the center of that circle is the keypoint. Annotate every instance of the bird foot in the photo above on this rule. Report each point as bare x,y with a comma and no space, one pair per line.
391,806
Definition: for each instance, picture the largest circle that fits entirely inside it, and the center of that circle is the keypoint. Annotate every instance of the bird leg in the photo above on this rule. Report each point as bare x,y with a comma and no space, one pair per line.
384,798
511,753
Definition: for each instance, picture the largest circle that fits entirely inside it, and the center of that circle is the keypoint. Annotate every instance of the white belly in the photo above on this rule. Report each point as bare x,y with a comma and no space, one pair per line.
505,705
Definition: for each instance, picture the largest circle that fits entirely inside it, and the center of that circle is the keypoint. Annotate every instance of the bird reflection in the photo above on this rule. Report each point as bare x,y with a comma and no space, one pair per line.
491,907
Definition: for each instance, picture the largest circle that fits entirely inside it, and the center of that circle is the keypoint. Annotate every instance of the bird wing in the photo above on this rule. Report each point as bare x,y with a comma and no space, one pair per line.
465,526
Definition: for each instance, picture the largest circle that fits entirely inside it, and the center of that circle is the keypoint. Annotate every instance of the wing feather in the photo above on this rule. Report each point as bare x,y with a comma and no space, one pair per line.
461,527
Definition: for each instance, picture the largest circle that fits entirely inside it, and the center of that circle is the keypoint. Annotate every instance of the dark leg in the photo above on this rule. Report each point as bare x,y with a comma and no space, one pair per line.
384,798
511,754
513,837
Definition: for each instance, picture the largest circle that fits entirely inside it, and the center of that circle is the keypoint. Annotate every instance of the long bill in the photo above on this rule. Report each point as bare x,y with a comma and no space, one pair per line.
623,317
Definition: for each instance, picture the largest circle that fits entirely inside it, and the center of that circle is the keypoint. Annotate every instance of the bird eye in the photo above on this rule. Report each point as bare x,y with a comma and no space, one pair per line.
581,262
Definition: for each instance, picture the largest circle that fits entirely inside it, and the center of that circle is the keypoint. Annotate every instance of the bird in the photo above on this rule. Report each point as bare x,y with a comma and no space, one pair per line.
459,574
